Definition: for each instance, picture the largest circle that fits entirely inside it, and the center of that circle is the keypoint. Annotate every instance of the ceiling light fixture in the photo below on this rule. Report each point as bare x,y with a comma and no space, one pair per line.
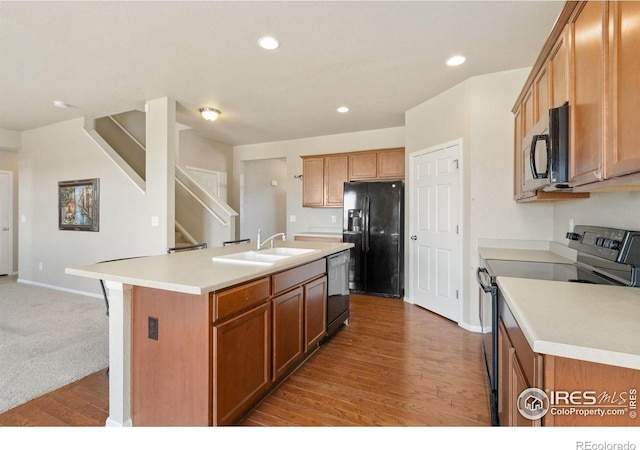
342,109
456,60
209,113
268,43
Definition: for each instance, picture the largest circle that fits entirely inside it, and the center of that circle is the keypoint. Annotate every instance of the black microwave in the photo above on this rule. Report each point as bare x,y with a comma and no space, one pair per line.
545,161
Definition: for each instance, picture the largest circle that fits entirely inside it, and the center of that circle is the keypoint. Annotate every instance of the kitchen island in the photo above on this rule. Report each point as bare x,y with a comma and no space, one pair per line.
200,337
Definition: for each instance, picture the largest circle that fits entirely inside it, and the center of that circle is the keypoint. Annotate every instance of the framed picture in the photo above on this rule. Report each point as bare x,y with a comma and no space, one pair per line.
78,205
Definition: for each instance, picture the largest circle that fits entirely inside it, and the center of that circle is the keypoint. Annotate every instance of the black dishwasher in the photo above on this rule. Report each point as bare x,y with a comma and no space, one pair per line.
337,292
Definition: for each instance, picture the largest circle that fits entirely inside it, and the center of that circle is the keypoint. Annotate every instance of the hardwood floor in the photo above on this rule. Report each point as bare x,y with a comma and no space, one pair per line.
395,365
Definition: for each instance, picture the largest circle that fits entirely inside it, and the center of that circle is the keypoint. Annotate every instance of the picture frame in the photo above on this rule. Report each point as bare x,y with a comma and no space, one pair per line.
79,205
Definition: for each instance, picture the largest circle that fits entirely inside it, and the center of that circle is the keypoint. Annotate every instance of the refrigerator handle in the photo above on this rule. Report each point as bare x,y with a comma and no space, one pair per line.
365,228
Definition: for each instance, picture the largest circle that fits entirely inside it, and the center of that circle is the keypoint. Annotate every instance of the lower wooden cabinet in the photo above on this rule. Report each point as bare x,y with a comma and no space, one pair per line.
288,332
315,312
241,363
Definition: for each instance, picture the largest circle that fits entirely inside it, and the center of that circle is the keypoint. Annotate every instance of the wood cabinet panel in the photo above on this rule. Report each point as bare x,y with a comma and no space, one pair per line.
559,71
288,332
335,175
541,90
613,388
528,120
363,166
313,181
241,363
315,312
391,163
623,150
587,93
287,279
159,394
238,298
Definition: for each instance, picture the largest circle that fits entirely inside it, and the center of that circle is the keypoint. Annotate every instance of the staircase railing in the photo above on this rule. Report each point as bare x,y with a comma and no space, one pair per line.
201,215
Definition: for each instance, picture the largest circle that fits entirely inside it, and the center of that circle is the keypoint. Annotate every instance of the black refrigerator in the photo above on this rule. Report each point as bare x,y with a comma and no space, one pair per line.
374,222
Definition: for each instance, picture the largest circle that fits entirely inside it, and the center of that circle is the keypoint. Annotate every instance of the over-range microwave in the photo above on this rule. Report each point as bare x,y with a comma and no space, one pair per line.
545,161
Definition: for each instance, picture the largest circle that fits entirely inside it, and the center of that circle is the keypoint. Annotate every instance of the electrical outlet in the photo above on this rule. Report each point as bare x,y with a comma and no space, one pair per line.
153,328
40,266
333,219
292,218
570,225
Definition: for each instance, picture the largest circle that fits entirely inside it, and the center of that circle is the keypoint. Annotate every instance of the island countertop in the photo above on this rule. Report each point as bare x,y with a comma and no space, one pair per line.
595,323
194,272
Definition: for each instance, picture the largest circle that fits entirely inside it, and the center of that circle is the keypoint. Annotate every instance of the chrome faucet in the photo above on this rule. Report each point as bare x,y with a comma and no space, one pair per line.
261,243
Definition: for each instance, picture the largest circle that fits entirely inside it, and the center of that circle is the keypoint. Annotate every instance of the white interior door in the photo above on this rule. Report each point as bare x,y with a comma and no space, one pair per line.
6,218
434,227
214,182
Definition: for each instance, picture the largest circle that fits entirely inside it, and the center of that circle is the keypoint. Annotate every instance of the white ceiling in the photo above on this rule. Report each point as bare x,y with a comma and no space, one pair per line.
379,58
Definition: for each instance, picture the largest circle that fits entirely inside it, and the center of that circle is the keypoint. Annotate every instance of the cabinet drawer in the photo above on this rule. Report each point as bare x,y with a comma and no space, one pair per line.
298,275
239,298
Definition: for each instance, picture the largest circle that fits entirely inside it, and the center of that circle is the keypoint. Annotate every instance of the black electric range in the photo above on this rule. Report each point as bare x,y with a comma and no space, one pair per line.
604,256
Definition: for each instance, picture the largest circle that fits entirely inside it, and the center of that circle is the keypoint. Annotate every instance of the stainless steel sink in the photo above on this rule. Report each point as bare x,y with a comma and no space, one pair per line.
263,257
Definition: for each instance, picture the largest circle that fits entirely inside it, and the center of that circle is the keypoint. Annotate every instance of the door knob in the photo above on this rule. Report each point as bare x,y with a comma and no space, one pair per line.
414,237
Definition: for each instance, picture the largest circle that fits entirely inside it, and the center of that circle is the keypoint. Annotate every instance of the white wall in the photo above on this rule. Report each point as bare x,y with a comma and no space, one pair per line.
264,206
607,209
63,152
478,112
312,218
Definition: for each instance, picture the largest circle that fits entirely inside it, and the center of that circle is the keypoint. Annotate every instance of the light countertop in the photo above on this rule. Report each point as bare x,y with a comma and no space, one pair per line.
511,254
594,323
194,272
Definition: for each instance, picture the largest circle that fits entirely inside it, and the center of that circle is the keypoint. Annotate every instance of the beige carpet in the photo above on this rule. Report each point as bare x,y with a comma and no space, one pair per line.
48,338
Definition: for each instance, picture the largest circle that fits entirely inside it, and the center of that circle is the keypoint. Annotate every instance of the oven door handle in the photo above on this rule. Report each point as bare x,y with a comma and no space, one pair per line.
485,288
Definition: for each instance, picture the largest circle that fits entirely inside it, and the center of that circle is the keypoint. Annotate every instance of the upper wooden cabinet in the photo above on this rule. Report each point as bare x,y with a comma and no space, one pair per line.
323,180
623,150
388,163
586,94
590,60
324,175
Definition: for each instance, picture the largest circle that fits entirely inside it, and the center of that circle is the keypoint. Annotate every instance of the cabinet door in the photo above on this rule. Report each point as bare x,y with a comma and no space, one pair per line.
559,71
241,363
587,93
623,150
541,91
391,163
518,383
505,352
313,182
335,175
288,332
315,312
363,166
528,112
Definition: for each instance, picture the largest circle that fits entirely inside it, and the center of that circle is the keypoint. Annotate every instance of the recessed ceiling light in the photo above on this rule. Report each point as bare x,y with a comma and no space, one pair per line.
61,104
456,60
268,43
342,109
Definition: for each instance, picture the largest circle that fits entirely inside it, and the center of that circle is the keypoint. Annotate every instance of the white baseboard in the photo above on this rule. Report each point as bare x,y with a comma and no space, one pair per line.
58,288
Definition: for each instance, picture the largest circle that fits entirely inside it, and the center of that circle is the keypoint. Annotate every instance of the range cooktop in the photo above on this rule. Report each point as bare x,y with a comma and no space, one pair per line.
547,271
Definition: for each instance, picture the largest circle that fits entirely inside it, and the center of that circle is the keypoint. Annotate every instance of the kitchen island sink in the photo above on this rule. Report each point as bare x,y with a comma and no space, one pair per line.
263,257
